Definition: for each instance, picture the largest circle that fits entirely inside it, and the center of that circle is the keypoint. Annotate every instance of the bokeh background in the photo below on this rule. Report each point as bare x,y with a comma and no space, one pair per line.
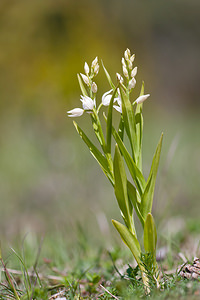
48,181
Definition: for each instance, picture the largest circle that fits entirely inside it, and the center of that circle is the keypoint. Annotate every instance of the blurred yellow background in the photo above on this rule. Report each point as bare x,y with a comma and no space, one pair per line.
47,179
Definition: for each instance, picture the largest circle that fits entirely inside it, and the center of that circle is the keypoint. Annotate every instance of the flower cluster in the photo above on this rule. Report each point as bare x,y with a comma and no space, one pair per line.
89,101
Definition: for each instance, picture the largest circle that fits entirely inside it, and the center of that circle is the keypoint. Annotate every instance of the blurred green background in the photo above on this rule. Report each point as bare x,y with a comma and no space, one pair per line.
48,181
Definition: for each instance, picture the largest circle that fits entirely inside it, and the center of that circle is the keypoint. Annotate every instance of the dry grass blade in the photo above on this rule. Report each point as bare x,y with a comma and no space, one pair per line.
108,292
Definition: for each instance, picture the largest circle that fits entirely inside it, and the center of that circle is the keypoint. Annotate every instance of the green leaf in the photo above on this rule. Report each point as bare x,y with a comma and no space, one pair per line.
137,176
96,153
109,122
147,198
121,128
139,129
129,121
150,235
98,130
83,90
129,239
121,190
135,200
108,77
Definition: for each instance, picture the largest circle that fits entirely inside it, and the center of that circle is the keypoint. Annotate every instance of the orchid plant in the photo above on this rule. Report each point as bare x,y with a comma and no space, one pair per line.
137,193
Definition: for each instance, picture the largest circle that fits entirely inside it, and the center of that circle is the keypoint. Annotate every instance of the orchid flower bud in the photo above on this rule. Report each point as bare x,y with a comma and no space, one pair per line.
119,78
85,79
130,65
134,72
123,62
132,58
142,98
132,83
127,54
94,88
125,71
94,62
96,69
86,69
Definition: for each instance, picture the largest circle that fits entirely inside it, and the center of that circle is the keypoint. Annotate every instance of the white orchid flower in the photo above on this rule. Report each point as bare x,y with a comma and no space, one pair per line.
88,105
118,108
106,98
142,98
76,112
119,102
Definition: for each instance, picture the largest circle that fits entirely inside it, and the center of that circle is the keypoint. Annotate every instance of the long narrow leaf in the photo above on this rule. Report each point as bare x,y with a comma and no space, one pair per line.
96,153
134,198
137,176
147,198
129,121
139,129
109,122
98,131
121,128
121,190
108,77
83,90
129,239
150,235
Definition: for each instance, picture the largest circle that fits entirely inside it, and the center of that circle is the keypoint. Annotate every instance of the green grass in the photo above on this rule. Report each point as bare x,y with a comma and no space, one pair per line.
88,272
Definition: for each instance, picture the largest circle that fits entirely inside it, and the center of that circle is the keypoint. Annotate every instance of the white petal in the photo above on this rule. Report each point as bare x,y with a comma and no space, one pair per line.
118,108
106,98
76,112
87,102
119,78
119,101
142,98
